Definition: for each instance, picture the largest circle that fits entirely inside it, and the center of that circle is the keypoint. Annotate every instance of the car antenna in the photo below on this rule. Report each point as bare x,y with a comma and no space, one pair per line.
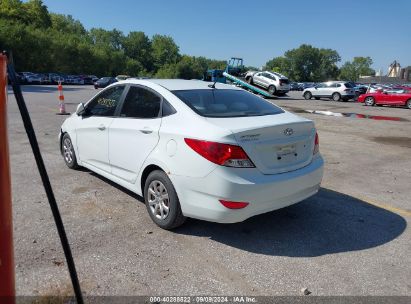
212,85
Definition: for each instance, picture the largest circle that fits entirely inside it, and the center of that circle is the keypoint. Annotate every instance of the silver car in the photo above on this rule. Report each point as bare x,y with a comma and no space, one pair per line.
274,83
335,90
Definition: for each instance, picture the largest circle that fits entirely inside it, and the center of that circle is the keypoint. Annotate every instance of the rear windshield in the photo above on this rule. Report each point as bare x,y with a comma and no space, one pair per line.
348,85
226,103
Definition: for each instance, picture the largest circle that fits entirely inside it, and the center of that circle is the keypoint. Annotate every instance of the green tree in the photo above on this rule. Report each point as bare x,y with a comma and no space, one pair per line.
280,64
133,67
67,24
167,71
351,70
137,46
37,13
328,69
307,63
165,50
13,10
107,39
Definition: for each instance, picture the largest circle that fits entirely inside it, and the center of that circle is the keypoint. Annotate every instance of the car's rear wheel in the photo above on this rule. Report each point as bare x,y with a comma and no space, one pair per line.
369,101
272,89
336,96
307,95
67,150
408,103
162,201
250,80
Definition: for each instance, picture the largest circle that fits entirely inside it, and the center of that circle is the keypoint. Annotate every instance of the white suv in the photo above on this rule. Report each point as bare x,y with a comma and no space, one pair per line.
275,83
335,90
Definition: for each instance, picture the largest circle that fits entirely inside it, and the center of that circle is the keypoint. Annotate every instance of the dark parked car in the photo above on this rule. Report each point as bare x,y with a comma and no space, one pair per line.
294,86
89,79
307,85
103,82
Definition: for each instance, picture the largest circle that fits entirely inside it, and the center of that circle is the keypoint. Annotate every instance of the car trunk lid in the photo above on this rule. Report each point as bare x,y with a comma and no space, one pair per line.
275,143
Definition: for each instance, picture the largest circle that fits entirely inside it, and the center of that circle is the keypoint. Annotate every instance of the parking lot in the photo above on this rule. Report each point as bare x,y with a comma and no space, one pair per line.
349,239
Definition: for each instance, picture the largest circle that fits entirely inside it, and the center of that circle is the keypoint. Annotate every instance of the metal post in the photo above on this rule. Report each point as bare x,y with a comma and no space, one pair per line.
7,291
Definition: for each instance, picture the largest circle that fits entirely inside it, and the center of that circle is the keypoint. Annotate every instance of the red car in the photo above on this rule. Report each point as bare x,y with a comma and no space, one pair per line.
385,98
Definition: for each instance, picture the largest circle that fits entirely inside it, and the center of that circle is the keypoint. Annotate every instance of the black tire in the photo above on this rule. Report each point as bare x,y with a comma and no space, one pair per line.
68,153
345,99
272,89
408,104
336,96
174,217
308,95
369,101
250,80
317,98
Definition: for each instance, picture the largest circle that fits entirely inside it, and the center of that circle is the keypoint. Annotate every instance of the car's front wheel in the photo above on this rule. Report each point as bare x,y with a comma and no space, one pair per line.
250,80
67,150
369,101
162,201
408,104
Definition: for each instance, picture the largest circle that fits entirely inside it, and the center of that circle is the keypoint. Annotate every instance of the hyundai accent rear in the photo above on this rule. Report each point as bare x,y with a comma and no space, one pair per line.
192,149
264,157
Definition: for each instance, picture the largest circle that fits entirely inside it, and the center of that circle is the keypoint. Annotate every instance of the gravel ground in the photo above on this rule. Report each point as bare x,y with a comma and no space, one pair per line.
349,239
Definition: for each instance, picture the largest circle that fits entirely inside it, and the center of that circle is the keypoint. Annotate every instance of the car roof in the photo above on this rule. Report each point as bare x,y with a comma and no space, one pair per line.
274,73
181,84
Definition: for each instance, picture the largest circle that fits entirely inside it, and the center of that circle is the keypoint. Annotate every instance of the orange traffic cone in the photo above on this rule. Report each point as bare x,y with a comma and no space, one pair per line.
62,106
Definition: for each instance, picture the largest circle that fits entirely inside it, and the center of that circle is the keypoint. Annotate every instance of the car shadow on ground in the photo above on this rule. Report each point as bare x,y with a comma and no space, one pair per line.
329,222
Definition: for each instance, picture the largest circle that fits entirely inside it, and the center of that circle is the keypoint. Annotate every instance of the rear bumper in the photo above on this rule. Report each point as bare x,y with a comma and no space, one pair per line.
283,91
199,197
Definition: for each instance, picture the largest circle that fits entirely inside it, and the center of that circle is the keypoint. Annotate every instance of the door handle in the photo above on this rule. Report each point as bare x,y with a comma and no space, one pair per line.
102,127
146,131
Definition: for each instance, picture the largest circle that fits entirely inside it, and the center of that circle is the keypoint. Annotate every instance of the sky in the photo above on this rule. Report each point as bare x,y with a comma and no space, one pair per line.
259,30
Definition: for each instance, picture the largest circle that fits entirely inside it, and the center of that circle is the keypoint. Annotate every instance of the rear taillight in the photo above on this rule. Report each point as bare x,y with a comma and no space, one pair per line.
347,90
316,144
233,205
221,154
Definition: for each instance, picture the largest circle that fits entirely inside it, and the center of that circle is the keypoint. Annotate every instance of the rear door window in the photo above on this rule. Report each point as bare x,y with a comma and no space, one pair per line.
141,103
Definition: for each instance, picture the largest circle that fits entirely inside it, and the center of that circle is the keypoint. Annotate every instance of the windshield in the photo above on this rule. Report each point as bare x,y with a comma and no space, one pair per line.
226,103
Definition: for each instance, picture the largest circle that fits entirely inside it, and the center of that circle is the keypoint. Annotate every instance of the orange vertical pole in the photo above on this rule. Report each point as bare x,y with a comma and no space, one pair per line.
7,291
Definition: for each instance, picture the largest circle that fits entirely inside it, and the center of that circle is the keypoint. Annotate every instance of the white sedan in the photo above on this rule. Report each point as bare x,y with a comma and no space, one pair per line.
191,149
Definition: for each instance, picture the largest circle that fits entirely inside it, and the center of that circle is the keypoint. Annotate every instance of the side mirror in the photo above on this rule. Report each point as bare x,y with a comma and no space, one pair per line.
80,109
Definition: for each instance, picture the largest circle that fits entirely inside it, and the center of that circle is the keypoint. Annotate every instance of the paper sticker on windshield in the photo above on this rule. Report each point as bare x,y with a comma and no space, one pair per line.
107,102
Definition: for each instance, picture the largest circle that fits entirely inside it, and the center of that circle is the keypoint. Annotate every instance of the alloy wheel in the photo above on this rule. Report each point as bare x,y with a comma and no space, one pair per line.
68,150
158,200
369,101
